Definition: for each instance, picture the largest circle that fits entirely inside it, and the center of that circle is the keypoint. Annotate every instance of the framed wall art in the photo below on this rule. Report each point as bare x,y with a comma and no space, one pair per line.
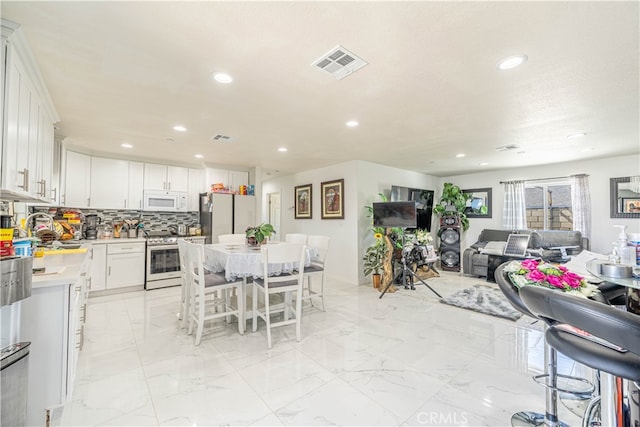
479,205
302,196
332,194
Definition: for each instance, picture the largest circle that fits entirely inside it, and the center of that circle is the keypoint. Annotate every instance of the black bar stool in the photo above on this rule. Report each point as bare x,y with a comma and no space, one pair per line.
611,346
549,377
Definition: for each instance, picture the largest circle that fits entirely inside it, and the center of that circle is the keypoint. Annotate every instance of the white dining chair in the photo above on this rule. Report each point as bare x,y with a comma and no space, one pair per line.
209,292
284,284
232,238
183,316
320,244
296,238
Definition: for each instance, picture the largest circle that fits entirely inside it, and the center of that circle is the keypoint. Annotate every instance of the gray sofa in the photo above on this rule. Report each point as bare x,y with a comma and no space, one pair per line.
476,263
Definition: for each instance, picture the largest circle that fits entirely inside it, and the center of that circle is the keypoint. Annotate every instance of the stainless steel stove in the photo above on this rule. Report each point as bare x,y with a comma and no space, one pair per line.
163,259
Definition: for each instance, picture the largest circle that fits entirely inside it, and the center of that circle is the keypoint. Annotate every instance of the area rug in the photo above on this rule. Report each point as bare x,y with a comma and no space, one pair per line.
483,299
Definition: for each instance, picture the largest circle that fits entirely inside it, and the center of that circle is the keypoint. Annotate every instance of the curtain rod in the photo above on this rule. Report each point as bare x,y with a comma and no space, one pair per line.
545,179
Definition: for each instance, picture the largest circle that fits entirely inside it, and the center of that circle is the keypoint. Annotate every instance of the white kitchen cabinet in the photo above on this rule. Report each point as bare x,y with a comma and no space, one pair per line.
77,180
99,267
109,183
27,122
52,320
165,178
136,185
196,186
125,264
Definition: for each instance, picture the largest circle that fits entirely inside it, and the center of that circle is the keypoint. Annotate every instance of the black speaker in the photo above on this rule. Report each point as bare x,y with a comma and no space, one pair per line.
450,245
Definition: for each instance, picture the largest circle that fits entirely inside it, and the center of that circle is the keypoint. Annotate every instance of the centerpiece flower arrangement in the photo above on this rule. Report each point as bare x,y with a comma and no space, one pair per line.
539,273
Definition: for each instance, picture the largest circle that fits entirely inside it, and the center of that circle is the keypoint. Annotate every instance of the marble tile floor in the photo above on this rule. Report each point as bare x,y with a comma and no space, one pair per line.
403,360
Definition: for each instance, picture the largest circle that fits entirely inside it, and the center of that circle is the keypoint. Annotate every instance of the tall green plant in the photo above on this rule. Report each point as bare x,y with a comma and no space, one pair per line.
453,202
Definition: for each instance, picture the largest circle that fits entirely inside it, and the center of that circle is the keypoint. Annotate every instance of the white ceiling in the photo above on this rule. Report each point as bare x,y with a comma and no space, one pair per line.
129,71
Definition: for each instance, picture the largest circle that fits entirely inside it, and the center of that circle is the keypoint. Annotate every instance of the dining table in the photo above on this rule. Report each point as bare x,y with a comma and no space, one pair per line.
243,261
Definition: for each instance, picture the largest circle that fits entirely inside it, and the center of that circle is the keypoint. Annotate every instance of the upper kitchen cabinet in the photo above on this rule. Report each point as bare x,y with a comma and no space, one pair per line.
136,185
109,183
27,118
196,186
165,178
77,180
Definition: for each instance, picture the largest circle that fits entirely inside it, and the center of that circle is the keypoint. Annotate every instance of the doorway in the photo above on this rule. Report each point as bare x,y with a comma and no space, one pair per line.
274,213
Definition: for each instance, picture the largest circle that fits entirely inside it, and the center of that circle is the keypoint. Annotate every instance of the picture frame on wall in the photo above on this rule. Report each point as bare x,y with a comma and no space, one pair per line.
479,205
302,197
332,195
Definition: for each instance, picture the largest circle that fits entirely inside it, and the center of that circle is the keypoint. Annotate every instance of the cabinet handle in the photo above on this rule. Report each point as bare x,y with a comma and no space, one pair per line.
88,201
140,204
25,179
64,199
54,193
169,185
109,271
125,203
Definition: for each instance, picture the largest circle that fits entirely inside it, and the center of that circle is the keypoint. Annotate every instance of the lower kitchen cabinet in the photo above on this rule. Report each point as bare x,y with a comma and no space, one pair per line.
52,319
118,264
99,268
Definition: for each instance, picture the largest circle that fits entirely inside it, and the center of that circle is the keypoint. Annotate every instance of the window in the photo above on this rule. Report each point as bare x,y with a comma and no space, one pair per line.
549,205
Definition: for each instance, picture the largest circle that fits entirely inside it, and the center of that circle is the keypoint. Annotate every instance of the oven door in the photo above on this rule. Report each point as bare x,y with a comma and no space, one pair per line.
163,262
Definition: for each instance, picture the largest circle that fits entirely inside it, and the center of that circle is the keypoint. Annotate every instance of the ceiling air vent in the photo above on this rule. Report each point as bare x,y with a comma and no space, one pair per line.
509,147
222,138
339,62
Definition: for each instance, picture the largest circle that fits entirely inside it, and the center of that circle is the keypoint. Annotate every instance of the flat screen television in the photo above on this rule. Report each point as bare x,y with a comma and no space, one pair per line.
423,199
395,214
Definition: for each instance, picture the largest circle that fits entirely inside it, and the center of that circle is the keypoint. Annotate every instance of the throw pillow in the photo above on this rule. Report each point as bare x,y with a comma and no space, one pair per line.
493,248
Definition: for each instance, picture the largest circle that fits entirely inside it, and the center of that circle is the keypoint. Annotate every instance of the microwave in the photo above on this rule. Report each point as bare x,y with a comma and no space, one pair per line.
164,201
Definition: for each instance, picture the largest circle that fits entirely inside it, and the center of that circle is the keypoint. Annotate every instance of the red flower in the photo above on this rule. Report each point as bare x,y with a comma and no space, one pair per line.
536,276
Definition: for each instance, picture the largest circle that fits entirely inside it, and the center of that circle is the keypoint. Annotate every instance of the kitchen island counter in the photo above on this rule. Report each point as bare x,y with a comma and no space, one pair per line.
60,269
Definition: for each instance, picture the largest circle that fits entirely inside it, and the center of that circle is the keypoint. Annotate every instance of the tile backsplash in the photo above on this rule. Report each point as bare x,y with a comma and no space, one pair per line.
153,221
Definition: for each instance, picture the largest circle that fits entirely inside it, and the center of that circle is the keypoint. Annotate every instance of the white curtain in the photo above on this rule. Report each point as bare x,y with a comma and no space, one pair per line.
514,212
581,204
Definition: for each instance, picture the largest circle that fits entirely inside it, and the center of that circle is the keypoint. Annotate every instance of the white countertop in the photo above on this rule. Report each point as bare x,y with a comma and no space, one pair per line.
66,266
114,240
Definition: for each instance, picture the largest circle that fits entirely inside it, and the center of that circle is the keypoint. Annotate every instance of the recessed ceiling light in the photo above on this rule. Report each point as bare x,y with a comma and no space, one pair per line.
352,123
576,135
198,156
511,62
460,155
180,128
586,150
125,145
282,149
223,78
484,164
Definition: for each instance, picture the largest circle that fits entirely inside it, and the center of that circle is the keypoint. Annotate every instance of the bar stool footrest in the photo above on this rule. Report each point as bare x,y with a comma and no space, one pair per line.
585,394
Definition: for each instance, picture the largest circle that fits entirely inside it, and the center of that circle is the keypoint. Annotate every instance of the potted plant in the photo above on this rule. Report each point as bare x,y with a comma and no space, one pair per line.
373,260
257,235
453,202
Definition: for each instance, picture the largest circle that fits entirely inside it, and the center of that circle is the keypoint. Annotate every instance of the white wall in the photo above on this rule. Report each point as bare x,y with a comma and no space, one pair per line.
599,171
350,236
364,180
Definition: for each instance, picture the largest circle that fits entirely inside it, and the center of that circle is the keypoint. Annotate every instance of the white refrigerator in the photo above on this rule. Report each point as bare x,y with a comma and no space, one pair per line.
222,213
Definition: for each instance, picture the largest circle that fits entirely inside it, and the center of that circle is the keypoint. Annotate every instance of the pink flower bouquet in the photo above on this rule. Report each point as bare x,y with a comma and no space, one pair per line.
539,273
